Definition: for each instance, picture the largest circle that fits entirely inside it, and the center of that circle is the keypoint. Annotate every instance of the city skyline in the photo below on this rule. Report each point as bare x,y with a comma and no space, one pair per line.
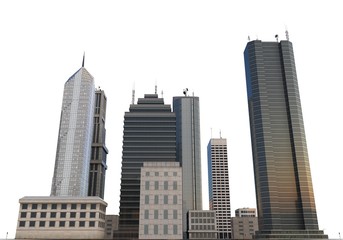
174,46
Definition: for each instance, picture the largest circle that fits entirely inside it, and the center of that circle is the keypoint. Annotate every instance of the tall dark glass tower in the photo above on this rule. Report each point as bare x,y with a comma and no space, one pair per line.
149,136
284,192
98,166
188,152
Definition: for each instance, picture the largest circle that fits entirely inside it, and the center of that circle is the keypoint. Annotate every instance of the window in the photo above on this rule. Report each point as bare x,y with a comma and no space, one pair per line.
155,214
174,229
83,206
54,206
34,206
64,206
52,224
93,206
175,199
63,215
146,214
73,215
165,214
166,174
73,206
165,229
92,214
72,224
155,229
24,206
41,223
147,185
175,214
43,214
33,214
156,174
165,199
22,224
146,199
174,174
146,229
174,185
44,206
156,185
32,224
82,223
156,199
23,214
147,174
92,223
165,185
62,223
53,214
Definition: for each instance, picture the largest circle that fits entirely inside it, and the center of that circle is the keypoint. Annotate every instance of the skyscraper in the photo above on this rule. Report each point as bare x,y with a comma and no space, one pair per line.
284,192
149,136
99,152
218,184
188,152
71,173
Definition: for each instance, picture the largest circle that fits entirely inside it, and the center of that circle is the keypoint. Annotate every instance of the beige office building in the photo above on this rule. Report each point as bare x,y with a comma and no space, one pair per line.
244,224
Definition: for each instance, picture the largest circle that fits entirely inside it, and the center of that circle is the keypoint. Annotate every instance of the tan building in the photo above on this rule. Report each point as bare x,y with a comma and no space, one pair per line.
61,218
112,222
202,224
244,224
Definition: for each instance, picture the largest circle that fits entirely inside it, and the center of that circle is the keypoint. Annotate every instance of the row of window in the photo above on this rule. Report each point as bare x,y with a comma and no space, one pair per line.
157,184
200,220
157,200
55,214
202,227
157,174
156,214
58,206
155,230
23,224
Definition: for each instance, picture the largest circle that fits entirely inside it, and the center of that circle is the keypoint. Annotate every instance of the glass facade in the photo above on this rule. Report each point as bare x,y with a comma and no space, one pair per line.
72,162
284,191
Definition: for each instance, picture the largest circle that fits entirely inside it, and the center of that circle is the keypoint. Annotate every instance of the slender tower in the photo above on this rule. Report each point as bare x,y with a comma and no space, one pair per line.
218,184
149,136
284,192
71,173
188,151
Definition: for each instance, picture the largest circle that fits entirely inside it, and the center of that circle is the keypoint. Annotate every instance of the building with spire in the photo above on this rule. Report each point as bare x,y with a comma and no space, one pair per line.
188,151
284,192
149,136
218,185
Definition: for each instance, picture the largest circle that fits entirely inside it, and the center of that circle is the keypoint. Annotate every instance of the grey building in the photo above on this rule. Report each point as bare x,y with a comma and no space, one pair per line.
98,166
188,152
111,225
202,224
71,173
284,192
160,214
219,188
244,224
149,136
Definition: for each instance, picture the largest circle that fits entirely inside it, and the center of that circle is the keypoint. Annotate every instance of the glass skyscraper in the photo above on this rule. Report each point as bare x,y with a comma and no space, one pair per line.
149,136
71,173
218,185
284,192
188,152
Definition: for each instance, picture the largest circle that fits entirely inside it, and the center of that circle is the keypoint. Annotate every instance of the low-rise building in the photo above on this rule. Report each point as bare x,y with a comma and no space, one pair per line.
202,224
244,224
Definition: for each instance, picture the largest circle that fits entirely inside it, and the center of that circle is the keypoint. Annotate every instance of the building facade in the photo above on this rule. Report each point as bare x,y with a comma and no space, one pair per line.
160,215
61,218
201,224
98,166
284,192
244,224
149,136
71,173
187,111
219,188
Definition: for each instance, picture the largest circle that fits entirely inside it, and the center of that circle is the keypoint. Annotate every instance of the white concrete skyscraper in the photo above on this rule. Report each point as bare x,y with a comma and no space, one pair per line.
218,184
71,173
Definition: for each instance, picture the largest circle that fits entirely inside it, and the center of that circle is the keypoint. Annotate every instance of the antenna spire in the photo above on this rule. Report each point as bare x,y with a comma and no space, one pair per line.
287,36
133,94
83,60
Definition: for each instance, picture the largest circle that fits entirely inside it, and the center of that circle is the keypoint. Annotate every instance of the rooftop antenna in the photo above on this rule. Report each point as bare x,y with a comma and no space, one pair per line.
249,38
162,93
83,60
133,94
185,91
277,37
155,88
220,134
287,36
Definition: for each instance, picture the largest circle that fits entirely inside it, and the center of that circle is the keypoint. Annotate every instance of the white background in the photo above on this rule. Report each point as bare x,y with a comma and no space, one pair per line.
175,44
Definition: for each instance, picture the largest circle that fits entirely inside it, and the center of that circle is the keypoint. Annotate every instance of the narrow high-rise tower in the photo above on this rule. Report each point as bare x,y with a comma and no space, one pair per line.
188,151
284,192
218,185
149,136
99,153
71,173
